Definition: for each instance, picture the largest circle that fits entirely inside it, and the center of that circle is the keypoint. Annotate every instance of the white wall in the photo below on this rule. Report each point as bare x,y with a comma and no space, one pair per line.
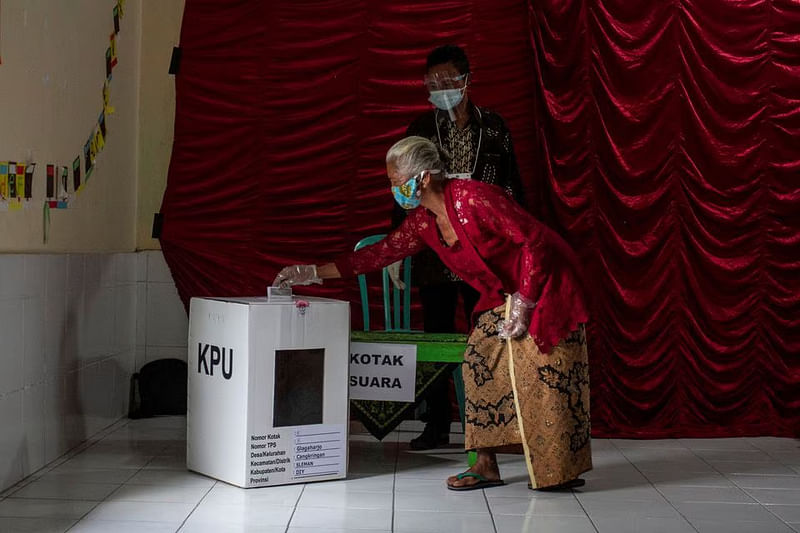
52,78
162,324
73,328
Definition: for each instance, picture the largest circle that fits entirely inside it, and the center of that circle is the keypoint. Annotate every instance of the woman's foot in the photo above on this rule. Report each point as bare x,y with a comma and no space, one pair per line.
484,473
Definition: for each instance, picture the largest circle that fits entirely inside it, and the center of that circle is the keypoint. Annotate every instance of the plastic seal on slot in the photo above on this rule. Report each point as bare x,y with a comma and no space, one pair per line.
279,294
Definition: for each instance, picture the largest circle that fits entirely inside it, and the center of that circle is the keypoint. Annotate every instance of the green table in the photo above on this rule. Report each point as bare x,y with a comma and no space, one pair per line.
432,348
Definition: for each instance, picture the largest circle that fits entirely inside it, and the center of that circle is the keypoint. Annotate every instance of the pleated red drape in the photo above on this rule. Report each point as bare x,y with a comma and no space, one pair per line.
660,138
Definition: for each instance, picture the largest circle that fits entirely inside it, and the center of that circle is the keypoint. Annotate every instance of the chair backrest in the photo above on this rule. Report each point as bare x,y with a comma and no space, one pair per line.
397,317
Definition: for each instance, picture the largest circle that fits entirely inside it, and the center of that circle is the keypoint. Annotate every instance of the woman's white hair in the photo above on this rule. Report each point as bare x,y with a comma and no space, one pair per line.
414,154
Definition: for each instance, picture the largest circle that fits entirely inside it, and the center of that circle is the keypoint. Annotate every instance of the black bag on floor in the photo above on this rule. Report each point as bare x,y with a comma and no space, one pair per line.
159,388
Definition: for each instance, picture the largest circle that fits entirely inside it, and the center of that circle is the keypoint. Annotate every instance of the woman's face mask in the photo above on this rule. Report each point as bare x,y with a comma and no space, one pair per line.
408,195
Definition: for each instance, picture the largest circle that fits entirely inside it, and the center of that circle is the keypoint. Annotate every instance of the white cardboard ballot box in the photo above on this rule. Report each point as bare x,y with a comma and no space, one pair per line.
268,390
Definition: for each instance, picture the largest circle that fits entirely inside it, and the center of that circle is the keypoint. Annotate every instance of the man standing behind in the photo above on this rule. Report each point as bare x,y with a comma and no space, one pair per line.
475,144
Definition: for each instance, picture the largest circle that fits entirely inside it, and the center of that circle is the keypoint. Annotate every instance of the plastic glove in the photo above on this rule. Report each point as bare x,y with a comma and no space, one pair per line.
297,275
519,318
394,275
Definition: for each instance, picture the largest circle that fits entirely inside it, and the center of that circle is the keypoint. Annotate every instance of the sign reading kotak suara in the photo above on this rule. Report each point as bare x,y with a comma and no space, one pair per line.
385,372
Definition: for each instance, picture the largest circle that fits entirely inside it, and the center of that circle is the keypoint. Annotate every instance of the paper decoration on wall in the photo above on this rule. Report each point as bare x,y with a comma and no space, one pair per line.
16,179
28,188
88,158
115,11
107,108
12,180
113,39
3,180
51,181
76,174
62,187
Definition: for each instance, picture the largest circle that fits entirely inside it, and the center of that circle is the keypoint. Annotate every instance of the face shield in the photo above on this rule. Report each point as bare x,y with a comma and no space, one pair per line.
446,90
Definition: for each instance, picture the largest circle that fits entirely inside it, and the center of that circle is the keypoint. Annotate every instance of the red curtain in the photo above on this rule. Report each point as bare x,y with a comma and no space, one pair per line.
658,137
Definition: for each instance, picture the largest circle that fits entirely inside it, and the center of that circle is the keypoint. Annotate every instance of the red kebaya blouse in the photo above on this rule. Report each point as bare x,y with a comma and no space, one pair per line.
501,249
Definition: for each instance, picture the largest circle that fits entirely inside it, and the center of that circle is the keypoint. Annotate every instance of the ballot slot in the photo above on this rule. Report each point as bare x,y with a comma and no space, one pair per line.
299,387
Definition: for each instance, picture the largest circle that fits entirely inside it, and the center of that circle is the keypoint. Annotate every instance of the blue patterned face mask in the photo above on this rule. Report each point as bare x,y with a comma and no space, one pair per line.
408,195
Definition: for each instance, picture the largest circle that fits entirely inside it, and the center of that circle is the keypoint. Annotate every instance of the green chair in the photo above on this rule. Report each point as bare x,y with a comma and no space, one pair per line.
431,347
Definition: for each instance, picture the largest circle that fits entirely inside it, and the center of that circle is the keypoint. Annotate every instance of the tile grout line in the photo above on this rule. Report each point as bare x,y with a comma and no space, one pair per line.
585,512
743,489
136,471
197,505
63,458
654,487
489,508
394,478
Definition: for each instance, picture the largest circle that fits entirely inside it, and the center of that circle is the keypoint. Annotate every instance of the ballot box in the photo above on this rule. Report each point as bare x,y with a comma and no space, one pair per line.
268,389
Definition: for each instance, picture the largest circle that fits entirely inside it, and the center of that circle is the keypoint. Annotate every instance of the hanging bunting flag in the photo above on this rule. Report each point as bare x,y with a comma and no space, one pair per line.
99,142
121,6
113,48
51,181
20,186
108,63
29,180
3,179
93,147
46,223
28,188
101,121
12,180
88,159
76,174
107,108
116,19
63,184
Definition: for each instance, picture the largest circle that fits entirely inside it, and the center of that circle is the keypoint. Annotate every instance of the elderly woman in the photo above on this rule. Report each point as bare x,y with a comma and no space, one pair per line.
525,369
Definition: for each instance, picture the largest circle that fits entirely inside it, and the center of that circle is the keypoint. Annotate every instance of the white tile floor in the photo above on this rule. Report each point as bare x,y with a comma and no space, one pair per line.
131,478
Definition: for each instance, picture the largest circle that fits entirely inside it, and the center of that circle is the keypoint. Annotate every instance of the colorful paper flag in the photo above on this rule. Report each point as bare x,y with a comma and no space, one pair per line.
29,180
101,121
107,107
51,180
3,179
113,48
46,222
108,63
88,159
76,174
99,142
12,180
20,180
63,183
116,19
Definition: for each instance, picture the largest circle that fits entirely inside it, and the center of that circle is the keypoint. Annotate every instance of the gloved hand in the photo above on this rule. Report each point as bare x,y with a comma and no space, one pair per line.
394,275
519,318
297,275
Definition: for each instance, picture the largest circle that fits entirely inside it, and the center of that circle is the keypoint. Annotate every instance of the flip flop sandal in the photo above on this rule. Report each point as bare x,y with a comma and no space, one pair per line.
572,484
482,483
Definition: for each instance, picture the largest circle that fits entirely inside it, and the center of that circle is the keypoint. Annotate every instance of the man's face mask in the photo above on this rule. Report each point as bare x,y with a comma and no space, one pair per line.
446,90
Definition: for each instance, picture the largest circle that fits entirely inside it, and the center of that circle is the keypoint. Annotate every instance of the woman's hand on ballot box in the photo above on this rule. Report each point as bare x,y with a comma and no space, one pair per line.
297,275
